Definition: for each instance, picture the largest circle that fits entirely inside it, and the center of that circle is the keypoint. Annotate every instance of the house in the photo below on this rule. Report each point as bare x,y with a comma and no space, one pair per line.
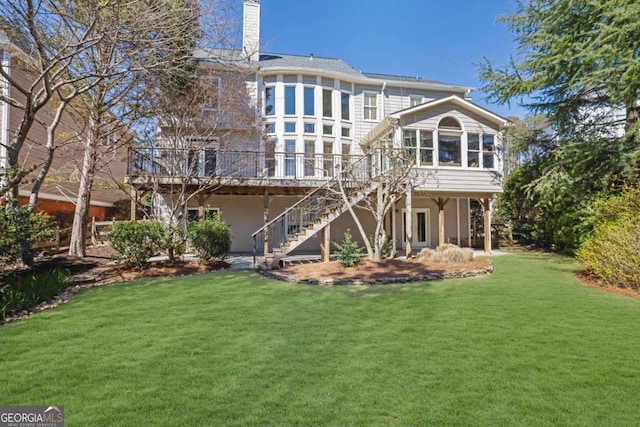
58,194
318,115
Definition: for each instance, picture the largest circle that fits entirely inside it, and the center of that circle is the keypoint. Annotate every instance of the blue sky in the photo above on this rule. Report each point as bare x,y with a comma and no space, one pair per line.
433,39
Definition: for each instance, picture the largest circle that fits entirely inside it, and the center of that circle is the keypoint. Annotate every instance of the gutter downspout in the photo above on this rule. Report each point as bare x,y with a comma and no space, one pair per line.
384,86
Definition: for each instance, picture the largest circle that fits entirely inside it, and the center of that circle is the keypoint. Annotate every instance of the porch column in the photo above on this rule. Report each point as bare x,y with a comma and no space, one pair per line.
393,230
265,218
486,207
325,243
441,204
134,203
408,225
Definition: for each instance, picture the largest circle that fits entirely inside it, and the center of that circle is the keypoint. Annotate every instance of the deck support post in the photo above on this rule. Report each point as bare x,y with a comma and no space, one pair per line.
441,204
325,243
134,203
408,225
393,230
486,207
265,217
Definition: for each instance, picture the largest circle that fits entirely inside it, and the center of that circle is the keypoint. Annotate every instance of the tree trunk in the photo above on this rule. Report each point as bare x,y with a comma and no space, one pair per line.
44,170
77,245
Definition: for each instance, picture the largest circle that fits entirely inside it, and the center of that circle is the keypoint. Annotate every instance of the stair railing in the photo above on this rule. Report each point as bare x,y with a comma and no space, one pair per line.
312,206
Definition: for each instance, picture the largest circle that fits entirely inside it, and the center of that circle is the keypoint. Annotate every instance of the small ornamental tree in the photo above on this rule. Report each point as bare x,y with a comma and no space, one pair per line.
349,253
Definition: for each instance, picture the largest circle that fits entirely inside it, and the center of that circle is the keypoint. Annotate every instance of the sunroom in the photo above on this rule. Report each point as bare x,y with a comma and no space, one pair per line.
455,147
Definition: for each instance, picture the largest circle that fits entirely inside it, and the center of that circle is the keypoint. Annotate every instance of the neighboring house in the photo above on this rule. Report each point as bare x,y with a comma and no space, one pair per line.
59,191
319,113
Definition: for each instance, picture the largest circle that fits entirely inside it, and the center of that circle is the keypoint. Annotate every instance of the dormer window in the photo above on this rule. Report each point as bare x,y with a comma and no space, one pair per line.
415,100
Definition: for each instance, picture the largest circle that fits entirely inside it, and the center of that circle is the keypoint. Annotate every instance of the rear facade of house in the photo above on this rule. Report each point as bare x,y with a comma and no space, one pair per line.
318,115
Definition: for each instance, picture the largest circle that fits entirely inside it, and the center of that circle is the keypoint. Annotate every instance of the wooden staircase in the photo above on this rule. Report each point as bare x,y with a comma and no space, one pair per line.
312,213
308,231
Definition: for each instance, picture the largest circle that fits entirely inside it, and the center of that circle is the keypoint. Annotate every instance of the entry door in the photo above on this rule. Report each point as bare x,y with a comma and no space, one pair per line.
420,236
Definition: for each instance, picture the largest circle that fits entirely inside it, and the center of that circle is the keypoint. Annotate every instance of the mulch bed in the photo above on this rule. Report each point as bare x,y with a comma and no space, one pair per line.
387,271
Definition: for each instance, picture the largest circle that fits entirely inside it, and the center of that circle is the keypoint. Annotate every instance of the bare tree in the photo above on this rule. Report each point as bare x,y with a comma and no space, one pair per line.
393,175
111,108
43,43
209,136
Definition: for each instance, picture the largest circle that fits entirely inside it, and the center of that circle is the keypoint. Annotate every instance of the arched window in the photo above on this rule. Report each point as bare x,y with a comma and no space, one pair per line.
449,142
450,123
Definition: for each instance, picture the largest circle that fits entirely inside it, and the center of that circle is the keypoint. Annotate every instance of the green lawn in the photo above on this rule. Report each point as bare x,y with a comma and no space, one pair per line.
527,345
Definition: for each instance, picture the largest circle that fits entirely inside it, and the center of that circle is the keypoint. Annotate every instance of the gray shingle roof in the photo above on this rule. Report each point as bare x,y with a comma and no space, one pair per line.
274,61
277,60
403,78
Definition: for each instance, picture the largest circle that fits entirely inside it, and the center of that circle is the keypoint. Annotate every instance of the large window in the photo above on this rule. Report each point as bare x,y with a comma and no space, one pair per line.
370,106
344,105
327,106
449,150
269,101
290,100
309,101
449,142
473,150
488,151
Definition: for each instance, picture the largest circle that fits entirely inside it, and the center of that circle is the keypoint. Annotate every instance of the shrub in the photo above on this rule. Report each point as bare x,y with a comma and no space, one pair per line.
446,253
211,239
612,252
349,253
19,229
137,241
25,292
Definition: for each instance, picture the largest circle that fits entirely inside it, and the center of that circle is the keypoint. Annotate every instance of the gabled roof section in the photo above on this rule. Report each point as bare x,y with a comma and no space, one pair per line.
394,119
461,102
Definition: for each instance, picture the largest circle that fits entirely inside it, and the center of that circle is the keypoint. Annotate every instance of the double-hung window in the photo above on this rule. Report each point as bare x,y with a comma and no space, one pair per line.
410,144
473,150
426,148
370,106
488,151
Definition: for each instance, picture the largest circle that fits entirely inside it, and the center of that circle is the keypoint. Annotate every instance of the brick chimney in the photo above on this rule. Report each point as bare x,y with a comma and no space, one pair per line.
251,30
